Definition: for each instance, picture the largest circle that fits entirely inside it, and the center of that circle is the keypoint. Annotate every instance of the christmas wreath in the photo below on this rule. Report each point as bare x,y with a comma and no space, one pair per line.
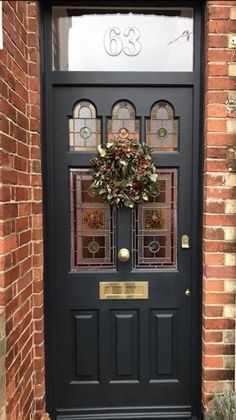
124,173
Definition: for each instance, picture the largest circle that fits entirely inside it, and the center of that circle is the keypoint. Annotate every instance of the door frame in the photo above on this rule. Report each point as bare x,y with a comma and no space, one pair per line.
49,79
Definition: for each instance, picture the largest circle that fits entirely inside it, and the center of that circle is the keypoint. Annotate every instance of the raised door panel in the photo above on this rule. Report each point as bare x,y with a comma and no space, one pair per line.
163,344
124,345
86,346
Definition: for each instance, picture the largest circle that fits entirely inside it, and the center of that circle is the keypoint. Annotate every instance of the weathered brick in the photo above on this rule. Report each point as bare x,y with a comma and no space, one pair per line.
229,336
219,220
229,362
19,108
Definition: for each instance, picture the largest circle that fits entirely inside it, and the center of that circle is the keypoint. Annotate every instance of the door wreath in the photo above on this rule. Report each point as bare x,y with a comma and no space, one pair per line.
124,173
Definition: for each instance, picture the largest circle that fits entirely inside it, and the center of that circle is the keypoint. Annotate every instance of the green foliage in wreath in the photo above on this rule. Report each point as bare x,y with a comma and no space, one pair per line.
124,173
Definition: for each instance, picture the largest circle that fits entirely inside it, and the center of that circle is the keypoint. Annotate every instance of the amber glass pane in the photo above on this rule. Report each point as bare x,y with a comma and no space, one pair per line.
84,128
162,128
92,225
123,123
155,226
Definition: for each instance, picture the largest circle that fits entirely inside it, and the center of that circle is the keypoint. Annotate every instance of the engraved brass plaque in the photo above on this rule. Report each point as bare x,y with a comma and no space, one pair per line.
123,290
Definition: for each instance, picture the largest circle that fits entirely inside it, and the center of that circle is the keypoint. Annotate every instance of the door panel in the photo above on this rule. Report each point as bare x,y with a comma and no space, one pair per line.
86,345
163,349
124,331
122,356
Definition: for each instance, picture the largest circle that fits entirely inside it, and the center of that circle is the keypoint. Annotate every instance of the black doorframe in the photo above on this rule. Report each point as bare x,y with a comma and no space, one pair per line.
50,79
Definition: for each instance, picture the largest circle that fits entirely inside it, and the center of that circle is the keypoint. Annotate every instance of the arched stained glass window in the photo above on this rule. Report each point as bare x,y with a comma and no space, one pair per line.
162,128
123,123
85,128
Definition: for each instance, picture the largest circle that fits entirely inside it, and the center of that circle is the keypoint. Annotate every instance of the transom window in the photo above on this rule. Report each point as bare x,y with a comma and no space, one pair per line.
147,40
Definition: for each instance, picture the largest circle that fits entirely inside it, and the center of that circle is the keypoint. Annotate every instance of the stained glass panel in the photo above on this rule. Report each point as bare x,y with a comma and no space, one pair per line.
123,123
92,225
162,128
155,226
84,128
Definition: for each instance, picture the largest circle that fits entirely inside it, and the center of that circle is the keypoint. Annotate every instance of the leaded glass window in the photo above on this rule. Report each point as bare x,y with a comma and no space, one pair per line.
123,123
92,225
162,128
84,128
155,226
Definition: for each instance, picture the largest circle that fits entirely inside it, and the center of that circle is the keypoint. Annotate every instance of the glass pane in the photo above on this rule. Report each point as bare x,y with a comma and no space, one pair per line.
92,225
123,123
162,128
84,128
107,41
155,226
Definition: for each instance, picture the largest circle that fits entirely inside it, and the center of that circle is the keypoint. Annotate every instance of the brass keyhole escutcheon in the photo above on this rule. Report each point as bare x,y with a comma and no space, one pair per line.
123,254
187,292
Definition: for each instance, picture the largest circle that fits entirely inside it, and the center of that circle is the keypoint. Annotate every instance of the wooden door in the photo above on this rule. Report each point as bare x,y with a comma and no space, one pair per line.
110,357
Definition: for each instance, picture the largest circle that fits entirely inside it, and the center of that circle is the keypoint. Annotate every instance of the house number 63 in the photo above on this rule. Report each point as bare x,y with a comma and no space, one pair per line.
115,42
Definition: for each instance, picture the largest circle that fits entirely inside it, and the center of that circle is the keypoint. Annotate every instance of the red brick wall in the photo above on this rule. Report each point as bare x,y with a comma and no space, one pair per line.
219,238
21,285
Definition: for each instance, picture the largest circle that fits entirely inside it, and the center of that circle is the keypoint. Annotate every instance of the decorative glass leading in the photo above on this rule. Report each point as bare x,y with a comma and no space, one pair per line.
92,225
123,123
155,226
162,128
85,128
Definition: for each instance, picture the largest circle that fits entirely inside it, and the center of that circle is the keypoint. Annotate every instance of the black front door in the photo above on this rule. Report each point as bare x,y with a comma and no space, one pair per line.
121,335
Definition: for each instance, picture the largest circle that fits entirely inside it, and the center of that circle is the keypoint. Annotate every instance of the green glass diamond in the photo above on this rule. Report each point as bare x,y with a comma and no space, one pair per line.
162,132
154,246
93,247
85,132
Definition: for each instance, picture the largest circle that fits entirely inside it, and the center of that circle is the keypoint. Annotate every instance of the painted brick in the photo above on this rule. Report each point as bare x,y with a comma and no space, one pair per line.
229,337
230,233
230,180
230,207
232,41
230,285
232,95
229,362
229,311
233,12
231,126
232,69
230,259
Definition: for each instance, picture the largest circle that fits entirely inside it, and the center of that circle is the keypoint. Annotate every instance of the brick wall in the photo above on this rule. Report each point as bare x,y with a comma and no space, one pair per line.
21,210
219,238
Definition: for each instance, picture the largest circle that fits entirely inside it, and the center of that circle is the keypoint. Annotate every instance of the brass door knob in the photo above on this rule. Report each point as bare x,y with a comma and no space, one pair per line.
123,254
187,292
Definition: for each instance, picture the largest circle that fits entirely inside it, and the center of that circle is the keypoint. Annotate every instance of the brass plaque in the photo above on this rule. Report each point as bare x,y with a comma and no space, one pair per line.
185,241
123,290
